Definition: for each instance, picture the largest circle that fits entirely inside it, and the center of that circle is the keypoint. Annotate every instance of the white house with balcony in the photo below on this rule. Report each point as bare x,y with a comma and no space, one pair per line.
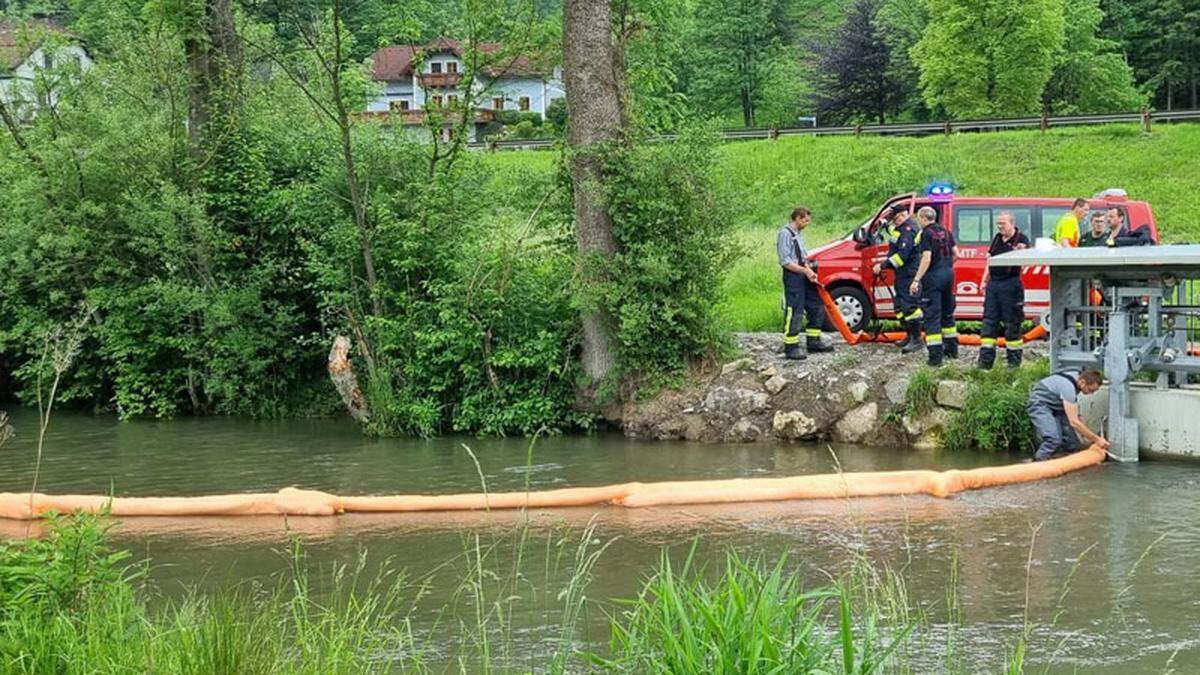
417,79
36,49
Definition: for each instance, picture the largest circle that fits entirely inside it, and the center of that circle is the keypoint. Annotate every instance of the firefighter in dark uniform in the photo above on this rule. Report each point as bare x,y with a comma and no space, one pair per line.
1003,297
904,236
935,282
799,288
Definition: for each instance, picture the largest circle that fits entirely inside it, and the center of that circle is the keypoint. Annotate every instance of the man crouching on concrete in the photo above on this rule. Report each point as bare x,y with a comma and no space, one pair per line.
1054,411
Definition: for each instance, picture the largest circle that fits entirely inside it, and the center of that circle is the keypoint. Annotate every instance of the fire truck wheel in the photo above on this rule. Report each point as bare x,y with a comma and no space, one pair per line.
852,301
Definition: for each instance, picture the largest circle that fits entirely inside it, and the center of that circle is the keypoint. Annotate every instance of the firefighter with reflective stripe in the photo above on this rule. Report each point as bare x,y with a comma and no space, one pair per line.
800,299
903,257
1003,297
935,282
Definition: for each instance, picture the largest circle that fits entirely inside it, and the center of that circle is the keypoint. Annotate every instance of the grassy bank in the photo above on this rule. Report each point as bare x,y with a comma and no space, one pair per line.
843,179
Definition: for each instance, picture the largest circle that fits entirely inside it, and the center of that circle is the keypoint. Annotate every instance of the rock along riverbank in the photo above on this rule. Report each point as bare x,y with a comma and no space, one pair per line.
852,395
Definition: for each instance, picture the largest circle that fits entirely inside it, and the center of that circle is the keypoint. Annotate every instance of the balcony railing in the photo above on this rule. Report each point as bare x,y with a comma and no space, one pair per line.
416,117
439,80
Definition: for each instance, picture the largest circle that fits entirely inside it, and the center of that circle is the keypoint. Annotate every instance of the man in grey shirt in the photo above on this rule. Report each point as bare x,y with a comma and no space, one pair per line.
799,288
1054,410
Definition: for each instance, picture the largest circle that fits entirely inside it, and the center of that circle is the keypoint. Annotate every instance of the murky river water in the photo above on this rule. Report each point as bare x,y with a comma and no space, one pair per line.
1129,535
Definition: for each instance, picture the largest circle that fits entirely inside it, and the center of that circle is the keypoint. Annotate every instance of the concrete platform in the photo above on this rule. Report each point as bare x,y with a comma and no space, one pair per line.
1168,420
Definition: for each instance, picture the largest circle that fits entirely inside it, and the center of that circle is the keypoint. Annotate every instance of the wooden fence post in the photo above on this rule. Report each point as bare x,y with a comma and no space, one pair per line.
1045,122
773,133
857,130
1146,120
948,127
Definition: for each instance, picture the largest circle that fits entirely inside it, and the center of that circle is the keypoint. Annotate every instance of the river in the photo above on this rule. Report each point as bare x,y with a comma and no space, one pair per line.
1111,582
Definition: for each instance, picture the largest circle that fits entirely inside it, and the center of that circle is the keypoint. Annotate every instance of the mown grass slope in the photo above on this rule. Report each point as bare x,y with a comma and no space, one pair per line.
843,179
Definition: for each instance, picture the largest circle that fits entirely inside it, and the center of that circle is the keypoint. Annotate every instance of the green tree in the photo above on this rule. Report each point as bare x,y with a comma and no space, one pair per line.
1091,75
1161,42
855,64
989,58
655,38
901,23
740,52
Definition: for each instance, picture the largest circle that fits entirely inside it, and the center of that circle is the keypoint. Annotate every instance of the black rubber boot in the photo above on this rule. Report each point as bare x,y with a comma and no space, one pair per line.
1014,357
950,347
909,337
935,355
987,358
914,338
793,353
816,345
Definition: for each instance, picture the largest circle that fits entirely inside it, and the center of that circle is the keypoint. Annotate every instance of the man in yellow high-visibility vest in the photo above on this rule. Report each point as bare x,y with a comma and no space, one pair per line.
1066,231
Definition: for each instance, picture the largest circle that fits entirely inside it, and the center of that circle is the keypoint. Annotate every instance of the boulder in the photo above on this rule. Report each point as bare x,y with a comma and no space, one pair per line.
693,428
744,430
952,394
768,371
858,390
735,366
723,401
775,384
751,401
896,389
794,425
857,424
929,429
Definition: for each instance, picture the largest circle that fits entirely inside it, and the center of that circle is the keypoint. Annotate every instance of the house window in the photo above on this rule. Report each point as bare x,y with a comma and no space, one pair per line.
452,67
47,59
399,106
435,67
453,100
498,103
523,103
437,100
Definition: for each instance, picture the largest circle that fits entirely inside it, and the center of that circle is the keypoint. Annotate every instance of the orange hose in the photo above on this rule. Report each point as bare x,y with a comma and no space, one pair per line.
852,338
291,501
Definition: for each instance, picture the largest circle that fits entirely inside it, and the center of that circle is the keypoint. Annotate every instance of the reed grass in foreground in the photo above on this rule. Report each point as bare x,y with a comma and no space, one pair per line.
68,604
752,619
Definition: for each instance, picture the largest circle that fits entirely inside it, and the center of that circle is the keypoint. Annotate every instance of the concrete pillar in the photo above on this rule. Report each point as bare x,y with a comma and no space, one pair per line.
1122,429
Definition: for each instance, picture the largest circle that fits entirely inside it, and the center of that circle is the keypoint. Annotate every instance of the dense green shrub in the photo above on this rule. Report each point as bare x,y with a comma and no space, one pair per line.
675,246
477,331
993,415
191,282
215,284
60,572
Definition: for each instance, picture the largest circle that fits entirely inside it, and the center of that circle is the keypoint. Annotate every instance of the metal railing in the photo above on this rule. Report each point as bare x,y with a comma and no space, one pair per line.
1145,118
1155,310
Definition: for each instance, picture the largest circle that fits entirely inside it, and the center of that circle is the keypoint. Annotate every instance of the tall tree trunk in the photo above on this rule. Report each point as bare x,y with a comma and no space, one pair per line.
592,75
747,108
358,200
214,61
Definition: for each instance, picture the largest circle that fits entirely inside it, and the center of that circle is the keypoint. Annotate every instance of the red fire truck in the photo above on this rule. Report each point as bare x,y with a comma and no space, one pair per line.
845,265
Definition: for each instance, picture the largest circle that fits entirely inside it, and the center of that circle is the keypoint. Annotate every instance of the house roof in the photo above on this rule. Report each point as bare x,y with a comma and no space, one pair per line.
20,39
396,62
